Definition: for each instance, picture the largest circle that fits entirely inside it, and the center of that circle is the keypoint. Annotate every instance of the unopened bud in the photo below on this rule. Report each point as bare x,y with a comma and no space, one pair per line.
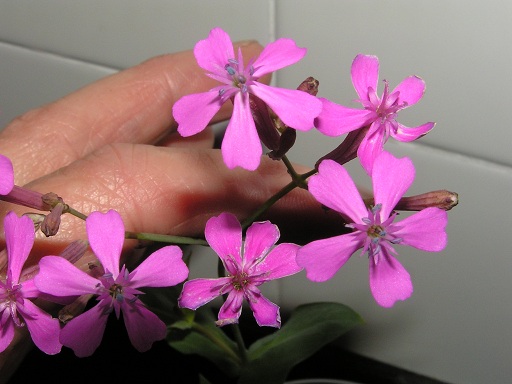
442,199
52,199
347,150
51,223
27,198
74,251
310,85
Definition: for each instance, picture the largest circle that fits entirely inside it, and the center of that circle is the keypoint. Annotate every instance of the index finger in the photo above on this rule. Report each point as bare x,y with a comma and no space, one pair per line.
132,106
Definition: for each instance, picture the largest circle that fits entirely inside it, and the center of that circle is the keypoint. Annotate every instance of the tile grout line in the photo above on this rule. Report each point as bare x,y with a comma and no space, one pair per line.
28,49
460,155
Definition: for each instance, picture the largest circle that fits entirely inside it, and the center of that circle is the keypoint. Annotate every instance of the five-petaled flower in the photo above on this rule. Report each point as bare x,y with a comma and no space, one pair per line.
116,290
247,270
241,145
375,229
16,309
6,175
379,112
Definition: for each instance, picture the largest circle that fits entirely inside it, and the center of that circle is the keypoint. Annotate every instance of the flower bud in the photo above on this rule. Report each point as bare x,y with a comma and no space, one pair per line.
274,134
347,150
51,222
310,85
442,199
27,198
74,251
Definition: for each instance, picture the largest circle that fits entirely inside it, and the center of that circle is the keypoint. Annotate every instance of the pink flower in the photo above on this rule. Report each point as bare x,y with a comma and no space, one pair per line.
374,230
241,145
380,113
246,270
116,290
6,175
16,310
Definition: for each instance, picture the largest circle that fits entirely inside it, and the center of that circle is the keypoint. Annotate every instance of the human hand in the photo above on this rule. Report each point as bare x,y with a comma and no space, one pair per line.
113,145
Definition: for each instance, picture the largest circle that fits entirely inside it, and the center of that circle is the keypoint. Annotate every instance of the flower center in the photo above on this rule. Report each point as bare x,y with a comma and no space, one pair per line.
239,75
116,291
240,281
10,296
375,232
386,107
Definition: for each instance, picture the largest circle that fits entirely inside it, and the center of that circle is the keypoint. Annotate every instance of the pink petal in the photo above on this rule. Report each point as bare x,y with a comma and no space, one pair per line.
280,262
6,329
297,109
6,175
411,90
83,333
406,134
43,329
391,178
185,111
259,238
163,268
365,74
143,326
424,230
198,292
213,53
59,277
19,238
334,188
335,120
389,281
371,147
241,146
230,311
323,258
265,312
105,232
29,289
276,55
224,235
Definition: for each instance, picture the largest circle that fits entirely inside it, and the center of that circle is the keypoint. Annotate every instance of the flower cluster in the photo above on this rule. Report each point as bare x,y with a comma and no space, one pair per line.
249,252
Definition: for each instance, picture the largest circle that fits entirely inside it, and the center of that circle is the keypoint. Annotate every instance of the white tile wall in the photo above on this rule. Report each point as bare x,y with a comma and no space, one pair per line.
456,327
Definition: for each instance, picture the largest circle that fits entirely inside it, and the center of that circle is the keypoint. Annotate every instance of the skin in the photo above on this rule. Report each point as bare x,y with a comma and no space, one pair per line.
114,145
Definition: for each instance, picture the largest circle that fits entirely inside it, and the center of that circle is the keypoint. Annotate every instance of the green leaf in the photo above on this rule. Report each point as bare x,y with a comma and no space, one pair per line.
310,327
204,338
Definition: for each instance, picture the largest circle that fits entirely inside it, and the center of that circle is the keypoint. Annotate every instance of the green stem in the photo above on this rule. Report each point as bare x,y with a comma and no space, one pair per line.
217,341
74,212
299,181
267,204
164,238
240,342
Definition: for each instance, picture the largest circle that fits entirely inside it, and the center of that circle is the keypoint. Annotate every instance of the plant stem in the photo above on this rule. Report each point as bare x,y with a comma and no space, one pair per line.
240,342
164,238
265,206
297,181
74,212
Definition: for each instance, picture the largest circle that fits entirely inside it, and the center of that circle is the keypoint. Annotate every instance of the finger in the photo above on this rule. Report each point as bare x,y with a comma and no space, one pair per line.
204,139
133,106
159,190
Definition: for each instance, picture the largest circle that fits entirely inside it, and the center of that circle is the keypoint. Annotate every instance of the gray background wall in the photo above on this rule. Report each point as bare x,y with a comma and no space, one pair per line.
457,325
